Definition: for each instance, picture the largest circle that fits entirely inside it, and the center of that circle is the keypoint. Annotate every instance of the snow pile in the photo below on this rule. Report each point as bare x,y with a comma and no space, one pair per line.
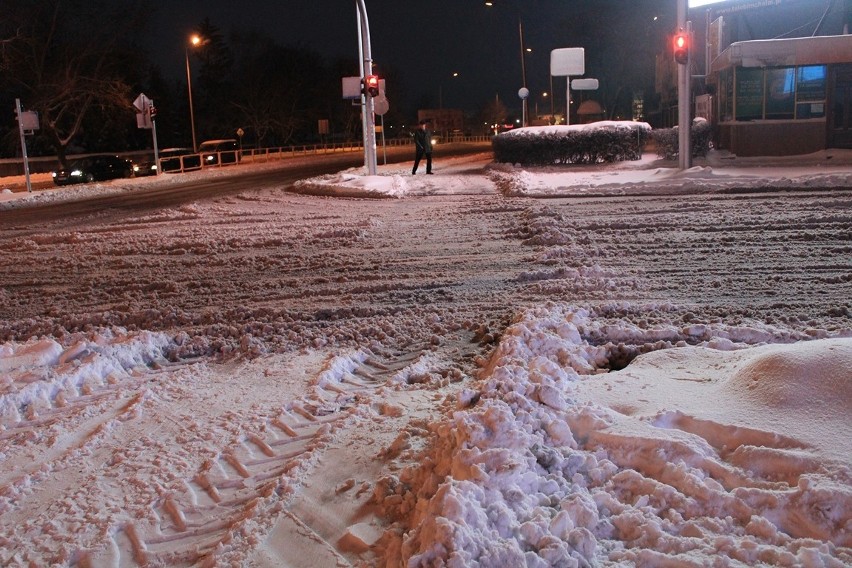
525,473
394,181
50,371
718,173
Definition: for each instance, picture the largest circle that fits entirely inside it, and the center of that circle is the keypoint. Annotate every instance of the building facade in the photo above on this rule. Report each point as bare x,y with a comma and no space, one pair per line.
774,77
783,97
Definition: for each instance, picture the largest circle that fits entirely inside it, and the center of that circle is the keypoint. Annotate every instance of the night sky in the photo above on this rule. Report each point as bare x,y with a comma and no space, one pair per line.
425,42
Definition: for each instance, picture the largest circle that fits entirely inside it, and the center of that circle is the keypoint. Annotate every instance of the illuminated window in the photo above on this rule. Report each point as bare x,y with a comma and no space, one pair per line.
777,93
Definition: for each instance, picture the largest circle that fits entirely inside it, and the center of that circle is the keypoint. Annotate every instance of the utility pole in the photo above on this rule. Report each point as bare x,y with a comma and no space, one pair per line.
525,96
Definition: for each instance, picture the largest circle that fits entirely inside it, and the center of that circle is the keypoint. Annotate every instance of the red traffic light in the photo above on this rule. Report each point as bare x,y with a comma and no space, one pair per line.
371,85
681,48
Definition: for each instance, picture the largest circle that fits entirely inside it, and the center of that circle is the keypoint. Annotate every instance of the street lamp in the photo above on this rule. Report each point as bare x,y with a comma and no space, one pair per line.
195,40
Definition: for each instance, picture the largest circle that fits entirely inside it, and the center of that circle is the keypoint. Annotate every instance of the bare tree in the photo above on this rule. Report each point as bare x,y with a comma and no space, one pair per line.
70,60
278,91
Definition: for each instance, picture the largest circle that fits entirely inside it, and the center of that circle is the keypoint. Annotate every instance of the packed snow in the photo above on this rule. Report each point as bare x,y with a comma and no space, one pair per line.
525,386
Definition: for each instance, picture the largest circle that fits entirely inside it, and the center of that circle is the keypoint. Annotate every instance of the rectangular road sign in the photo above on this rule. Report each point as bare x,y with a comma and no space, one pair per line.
567,62
584,84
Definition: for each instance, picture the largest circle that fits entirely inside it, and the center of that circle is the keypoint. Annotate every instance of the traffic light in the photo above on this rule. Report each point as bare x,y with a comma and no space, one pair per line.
681,47
371,85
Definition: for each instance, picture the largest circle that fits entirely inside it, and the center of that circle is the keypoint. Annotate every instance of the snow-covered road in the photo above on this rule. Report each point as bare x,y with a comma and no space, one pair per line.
276,379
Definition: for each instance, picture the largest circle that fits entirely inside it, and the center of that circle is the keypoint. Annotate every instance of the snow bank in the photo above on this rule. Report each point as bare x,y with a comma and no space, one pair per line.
49,371
526,473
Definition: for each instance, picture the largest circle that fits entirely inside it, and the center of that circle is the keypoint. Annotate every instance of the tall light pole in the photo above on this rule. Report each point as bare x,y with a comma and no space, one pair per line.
489,4
525,110
195,41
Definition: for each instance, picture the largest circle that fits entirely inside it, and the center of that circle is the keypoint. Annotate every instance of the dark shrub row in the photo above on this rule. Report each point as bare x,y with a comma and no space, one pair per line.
666,140
562,146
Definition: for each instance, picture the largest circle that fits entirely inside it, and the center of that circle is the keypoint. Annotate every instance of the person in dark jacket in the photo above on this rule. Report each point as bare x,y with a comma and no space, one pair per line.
423,146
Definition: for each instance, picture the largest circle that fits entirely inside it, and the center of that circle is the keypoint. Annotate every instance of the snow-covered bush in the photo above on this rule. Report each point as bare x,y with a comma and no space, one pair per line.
666,140
583,144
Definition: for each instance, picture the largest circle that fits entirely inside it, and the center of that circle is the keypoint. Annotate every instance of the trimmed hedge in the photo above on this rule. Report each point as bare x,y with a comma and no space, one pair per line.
587,146
668,145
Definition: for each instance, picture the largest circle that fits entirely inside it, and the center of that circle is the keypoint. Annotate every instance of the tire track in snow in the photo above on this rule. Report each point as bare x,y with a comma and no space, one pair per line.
252,477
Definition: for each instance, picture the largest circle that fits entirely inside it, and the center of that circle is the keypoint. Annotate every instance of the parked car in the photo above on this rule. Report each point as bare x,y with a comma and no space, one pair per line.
94,168
169,160
217,152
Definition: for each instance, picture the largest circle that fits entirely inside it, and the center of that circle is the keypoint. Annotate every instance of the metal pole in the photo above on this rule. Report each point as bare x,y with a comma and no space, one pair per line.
23,145
154,135
384,144
567,100
191,112
552,99
523,71
368,120
684,122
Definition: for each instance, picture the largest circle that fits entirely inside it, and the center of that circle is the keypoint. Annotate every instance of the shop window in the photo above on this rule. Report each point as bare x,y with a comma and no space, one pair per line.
779,93
726,95
810,91
780,98
749,93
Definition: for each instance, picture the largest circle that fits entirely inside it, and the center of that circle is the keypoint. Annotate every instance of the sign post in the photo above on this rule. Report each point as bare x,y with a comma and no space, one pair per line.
381,106
566,62
26,121
523,94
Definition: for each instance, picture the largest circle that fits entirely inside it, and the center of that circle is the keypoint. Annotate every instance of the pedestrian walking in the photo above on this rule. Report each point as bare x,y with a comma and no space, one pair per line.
423,146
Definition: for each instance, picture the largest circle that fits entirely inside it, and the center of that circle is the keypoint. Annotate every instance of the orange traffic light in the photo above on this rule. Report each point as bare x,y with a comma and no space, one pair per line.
681,48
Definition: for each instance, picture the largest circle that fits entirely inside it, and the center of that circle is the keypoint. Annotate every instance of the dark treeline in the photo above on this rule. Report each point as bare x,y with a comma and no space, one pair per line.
80,65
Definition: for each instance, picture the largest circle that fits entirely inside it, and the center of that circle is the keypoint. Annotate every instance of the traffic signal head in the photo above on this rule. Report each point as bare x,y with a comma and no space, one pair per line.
681,47
371,85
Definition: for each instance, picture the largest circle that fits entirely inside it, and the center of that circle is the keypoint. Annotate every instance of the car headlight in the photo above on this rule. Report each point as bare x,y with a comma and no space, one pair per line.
135,168
77,173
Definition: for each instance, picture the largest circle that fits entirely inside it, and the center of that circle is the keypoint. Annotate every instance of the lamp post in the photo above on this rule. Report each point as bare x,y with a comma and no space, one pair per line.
195,40
490,4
